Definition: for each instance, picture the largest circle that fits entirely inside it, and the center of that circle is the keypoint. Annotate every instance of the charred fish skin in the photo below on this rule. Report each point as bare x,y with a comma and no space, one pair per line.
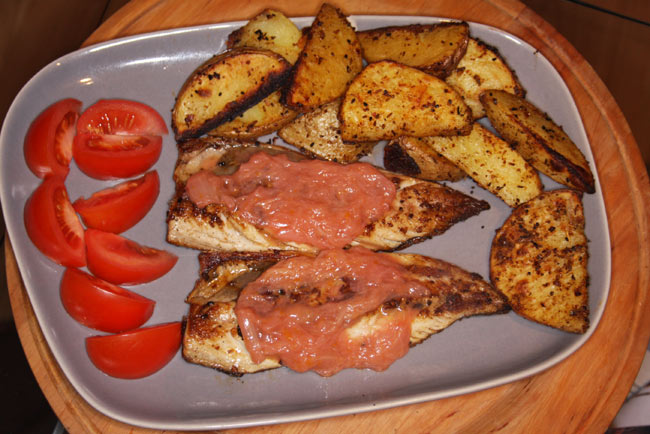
421,209
212,337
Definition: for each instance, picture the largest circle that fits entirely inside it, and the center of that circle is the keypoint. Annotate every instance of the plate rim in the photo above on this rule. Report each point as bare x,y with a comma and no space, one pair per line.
333,410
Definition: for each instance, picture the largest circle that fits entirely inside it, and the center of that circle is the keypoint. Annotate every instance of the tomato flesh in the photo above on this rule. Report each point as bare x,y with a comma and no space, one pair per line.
122,261
48,142
119,208
115,156
101,305
120,116
53,225
136,353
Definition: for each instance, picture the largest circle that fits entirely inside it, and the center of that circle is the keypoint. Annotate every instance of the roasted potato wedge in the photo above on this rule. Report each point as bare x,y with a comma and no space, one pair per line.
270,30
263,118
491,162
542,142
328,63
317,134
539,258
412,156
224,87
482,68
433,48
388,100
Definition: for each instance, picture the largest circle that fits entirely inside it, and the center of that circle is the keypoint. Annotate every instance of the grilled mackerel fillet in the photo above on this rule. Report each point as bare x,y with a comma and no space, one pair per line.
212,338
420,210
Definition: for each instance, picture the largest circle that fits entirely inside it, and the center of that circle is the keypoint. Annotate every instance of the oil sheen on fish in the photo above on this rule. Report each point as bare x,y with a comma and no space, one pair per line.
420,209
212,336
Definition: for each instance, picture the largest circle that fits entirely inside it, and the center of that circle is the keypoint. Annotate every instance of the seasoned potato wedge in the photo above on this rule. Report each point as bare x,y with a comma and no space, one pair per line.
224,87
482,68
388,100
538,139
263,118
434,48
412,156
539,261
328,63
491,163
316,133
270,30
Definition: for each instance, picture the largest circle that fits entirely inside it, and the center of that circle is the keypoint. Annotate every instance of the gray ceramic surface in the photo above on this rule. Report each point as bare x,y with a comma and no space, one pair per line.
471,355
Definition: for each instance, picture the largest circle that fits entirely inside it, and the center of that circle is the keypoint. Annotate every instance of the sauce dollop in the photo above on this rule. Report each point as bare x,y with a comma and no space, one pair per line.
320,203
299,311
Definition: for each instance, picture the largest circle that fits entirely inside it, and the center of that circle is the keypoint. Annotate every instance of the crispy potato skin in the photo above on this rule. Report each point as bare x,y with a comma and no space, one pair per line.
263,118
270,30
542,142
317,134
388,100
433,48
412,156
491,163
480,69
328,63
224,87
539,258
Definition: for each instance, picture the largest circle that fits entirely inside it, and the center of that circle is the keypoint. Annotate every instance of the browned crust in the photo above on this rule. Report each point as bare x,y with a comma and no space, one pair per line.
396,159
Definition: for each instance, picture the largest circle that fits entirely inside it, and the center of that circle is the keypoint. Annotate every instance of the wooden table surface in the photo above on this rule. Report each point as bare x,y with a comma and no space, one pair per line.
582,393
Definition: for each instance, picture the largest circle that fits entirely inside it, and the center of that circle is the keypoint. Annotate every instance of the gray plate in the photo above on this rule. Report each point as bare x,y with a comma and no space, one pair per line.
471,355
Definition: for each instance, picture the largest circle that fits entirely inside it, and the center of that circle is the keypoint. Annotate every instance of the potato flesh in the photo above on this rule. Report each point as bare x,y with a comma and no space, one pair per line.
491,163
538,139
388,100
482,68
434,48
328,63
539,261
270,30
263,118
317,134
224,87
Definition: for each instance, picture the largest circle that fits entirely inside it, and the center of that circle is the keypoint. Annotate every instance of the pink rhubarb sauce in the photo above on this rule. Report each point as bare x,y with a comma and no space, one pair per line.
320,203
299,309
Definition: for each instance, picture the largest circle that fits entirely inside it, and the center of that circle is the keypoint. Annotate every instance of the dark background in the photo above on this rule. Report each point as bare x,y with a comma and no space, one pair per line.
33,33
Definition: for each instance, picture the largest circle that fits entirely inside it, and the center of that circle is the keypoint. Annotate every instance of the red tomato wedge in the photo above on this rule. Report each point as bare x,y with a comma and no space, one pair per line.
52,224
120,116
136,353
118,138
48,143
115,156
119,208
122,261
103,306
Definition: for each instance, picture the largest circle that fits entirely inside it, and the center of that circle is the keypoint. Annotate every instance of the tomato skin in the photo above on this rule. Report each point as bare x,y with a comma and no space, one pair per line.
136,353
52,224
115,156
121,116
101,305
122,261
119,208
48,142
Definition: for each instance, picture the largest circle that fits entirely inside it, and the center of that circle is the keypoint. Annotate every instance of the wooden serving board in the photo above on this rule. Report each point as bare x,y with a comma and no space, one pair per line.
584,392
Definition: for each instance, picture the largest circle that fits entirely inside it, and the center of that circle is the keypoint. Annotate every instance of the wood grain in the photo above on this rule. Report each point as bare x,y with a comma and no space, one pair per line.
581,394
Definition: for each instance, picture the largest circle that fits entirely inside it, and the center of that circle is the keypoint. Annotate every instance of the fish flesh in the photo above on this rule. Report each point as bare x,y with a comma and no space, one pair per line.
420,210
212,337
